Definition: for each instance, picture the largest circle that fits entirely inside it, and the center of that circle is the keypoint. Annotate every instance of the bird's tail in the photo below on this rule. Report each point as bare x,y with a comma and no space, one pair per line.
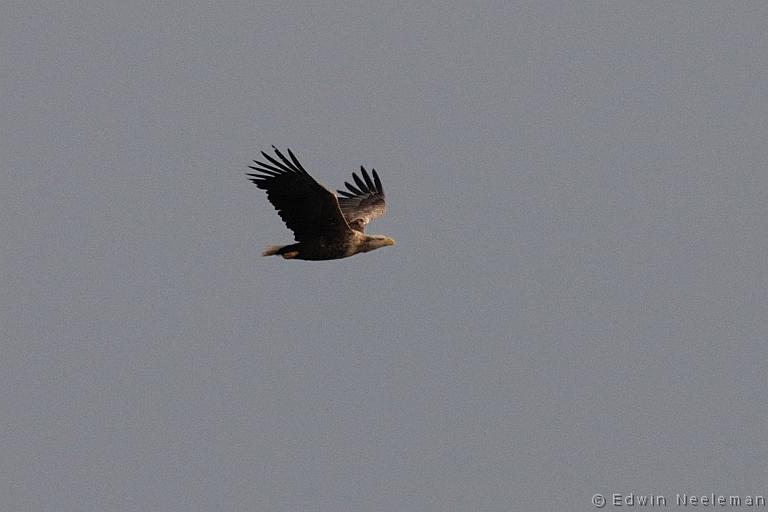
272,250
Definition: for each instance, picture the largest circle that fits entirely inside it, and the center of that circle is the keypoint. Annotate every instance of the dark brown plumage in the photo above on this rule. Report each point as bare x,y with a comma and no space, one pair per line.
325,226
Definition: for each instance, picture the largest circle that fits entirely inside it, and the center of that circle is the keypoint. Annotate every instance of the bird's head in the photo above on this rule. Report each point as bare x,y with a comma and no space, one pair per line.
372,242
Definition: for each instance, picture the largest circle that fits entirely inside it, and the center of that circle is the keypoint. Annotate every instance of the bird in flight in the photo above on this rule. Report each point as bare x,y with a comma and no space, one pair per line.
325,226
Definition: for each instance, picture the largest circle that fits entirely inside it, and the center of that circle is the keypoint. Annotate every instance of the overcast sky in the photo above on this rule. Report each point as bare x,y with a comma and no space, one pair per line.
577,302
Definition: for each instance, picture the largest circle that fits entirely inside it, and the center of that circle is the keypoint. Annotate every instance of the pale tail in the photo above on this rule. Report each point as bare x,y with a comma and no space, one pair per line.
271,250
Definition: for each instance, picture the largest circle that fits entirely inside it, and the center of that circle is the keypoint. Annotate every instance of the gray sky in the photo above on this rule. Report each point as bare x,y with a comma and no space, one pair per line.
576,303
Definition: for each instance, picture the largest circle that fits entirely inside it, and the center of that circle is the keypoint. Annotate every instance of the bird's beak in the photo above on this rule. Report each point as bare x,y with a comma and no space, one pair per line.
390,241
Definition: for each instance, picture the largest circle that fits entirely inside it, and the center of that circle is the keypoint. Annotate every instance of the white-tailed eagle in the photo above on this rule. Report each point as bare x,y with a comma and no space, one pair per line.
325,226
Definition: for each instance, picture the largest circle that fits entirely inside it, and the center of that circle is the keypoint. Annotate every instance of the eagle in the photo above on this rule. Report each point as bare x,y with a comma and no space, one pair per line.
325,226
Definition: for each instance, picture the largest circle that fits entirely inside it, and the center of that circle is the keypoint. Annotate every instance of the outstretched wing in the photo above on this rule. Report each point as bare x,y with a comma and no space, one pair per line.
363,203
310,210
